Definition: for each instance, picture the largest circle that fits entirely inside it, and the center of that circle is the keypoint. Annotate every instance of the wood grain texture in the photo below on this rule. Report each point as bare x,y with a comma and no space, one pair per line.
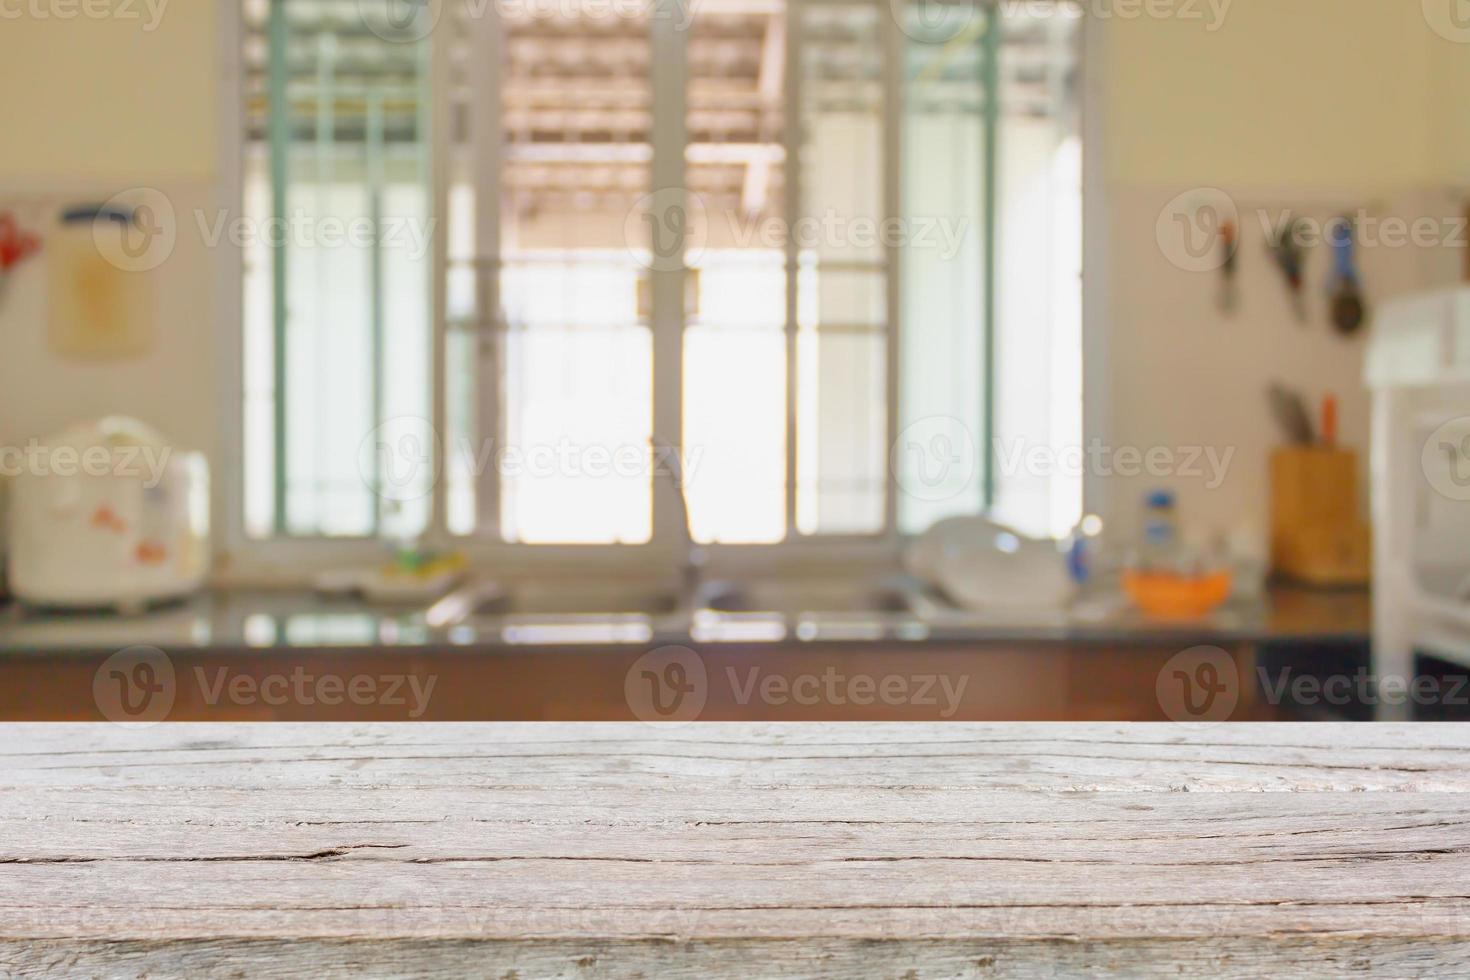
793,850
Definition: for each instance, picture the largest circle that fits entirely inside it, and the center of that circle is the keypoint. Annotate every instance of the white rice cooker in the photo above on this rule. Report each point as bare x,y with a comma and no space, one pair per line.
107,513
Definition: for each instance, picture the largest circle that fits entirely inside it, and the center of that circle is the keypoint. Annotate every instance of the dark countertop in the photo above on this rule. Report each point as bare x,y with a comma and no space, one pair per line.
299,620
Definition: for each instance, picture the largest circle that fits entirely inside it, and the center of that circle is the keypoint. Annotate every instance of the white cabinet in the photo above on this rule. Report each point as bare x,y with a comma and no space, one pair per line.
1419,370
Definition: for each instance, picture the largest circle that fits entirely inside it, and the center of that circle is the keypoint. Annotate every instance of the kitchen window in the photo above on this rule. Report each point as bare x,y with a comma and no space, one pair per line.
826,251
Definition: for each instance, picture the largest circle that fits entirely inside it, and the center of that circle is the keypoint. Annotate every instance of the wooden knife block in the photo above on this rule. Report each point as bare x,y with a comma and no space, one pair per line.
1317,536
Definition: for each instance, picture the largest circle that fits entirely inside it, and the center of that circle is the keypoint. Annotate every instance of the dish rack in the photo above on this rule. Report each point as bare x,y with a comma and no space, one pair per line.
1418,369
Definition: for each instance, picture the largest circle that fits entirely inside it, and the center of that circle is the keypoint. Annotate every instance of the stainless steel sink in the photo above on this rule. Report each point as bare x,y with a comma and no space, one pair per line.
552,601
813,598
594,601
555,602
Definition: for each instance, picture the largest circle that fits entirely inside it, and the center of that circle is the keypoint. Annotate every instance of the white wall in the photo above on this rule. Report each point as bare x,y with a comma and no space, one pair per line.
1184,374
173,387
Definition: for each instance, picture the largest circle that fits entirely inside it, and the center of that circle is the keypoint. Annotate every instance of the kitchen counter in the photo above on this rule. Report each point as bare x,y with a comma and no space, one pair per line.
289,656
281,620
815,851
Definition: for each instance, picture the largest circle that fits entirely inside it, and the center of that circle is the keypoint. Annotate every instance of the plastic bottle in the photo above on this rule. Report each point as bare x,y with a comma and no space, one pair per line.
1158,549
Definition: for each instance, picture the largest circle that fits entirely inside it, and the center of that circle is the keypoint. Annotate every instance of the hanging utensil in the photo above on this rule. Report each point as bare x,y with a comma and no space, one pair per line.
1348,312
15,247
1327,435
1290,410
1229,242
1290,258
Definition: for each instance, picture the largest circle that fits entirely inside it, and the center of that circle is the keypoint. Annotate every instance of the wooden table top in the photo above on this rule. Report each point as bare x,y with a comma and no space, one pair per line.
706,850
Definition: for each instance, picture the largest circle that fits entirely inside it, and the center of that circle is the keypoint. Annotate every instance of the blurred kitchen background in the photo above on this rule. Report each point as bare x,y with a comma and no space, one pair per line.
1101,353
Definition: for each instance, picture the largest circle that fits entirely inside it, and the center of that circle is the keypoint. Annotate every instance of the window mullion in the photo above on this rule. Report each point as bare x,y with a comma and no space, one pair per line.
668,78
791,131
376,182
439,111
279,135
487,151
892,46
991,82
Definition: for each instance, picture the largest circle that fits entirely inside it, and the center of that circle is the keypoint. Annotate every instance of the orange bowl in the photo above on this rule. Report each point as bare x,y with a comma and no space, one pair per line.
1176,596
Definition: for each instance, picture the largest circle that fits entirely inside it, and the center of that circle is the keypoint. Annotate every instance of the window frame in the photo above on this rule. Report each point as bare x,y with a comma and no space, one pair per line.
280,558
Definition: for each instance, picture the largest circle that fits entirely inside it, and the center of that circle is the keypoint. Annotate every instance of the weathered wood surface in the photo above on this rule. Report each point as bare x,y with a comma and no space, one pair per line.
744,850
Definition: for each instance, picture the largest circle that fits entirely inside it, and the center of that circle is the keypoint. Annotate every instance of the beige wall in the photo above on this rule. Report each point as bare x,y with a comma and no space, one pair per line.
1344,100
1449,121
1313,92
110,98
1308,90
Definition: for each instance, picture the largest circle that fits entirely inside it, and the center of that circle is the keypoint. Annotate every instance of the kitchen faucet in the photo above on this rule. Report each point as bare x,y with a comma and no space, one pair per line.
693,557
